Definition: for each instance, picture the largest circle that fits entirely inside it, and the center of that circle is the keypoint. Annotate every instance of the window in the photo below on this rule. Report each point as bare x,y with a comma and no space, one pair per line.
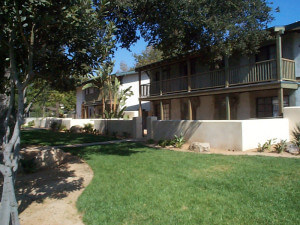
166,108
268,106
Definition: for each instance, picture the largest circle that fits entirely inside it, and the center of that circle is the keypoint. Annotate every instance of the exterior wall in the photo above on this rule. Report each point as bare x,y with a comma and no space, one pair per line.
293,115
175,109
132,81
206,109
132,127
244,106
132,102
79,101
238,135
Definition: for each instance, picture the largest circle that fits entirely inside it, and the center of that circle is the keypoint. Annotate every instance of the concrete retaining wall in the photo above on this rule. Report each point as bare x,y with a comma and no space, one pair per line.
293,115
238,135
133,127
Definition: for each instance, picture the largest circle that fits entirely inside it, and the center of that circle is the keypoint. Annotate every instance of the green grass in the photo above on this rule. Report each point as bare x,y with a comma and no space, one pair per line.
134,184
51,138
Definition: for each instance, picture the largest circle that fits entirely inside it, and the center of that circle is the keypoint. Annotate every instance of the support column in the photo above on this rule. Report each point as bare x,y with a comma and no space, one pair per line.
279,68
161,110
226,86
140,93
160,81
190,109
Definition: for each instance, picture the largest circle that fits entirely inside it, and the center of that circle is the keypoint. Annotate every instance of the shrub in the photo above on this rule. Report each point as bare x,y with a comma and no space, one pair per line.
296,136
114,134
126,135
162,143
54,126
281,146
178,141
31,123
88,128
150,141
62,127
265,146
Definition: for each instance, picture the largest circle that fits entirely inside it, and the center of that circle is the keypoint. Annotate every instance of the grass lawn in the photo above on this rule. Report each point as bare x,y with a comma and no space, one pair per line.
48,137
134,184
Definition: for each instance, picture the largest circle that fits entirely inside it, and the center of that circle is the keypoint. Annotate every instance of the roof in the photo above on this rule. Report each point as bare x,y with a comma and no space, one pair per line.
121,74
289,27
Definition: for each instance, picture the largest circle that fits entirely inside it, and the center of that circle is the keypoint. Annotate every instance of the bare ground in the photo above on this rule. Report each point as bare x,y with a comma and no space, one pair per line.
49,196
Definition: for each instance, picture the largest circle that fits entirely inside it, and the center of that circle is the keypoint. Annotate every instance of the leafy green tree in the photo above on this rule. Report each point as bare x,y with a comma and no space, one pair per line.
148,56
51,40
180,26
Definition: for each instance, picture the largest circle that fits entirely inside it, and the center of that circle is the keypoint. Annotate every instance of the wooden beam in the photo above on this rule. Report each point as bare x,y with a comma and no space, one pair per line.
160,81
190,109
189,74
161,110
279,55
280,101
226,71
140,93
227,108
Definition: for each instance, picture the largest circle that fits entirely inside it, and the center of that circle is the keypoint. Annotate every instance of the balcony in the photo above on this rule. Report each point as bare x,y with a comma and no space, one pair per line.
259,72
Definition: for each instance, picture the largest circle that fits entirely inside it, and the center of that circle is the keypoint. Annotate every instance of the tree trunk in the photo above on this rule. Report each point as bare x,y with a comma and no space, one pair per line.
9,205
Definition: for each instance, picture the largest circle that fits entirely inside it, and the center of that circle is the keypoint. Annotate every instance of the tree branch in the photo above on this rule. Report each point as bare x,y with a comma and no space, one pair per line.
34,98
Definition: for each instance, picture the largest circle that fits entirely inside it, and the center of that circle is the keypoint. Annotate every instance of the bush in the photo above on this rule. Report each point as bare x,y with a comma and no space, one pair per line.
126,134
281,146
62,127
31,123
266,146
88,128
150,141
296,136
55,126
178,141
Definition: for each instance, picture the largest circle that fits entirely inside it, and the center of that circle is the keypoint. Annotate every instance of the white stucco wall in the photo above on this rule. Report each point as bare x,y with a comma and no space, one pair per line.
293,115
237,135
132,80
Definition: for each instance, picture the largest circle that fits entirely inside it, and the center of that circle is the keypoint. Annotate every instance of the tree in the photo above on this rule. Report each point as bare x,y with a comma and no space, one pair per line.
51,40
124,67
148,56
177,27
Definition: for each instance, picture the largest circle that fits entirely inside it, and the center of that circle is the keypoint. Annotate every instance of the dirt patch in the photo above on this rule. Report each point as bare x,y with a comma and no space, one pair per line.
49,196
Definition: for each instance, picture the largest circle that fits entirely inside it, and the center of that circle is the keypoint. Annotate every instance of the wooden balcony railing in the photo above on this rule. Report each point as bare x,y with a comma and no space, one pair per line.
254,73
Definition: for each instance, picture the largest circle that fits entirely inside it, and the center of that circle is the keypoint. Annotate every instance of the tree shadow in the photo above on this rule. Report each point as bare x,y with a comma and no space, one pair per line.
120,149
54,183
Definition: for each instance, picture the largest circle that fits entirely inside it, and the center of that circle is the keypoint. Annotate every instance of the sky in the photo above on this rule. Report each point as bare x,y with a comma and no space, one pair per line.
289,13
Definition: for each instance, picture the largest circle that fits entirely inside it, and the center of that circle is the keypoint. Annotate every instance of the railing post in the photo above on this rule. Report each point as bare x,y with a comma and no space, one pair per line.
226,86
140,91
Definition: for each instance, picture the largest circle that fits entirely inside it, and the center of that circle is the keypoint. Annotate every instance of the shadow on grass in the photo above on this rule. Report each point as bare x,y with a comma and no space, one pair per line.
54,184
120,149
50,138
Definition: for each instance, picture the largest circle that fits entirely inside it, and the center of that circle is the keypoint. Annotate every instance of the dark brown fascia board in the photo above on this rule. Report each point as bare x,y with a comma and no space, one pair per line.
229,90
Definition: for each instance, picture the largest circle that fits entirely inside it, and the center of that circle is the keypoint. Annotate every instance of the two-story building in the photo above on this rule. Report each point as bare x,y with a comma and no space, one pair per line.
239,87
89,105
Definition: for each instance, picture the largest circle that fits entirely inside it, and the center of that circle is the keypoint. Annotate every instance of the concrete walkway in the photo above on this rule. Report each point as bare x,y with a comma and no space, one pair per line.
98,143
